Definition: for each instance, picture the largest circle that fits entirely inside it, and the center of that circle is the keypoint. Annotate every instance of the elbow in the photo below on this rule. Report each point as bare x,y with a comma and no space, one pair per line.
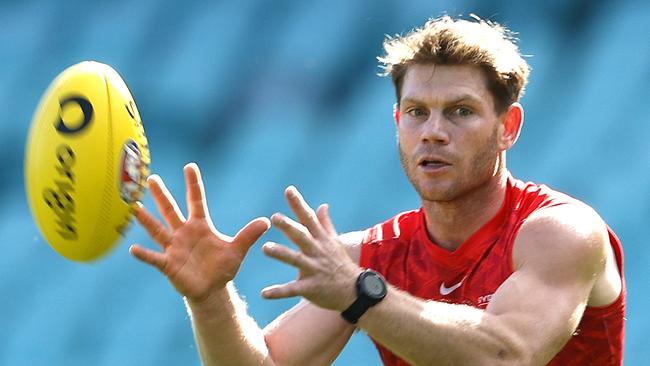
510,356
520,353
505,355
507,348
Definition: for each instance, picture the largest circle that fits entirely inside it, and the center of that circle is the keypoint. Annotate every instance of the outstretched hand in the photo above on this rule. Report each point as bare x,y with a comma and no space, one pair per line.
196,258
327,275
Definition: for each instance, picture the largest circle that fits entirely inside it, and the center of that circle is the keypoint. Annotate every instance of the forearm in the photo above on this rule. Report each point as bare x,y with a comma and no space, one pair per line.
225,334
428,332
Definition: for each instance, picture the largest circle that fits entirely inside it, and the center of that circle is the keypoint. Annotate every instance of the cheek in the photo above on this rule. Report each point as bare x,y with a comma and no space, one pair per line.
483,153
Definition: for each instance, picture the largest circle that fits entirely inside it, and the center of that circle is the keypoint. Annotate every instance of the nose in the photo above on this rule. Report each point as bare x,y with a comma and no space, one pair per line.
434,129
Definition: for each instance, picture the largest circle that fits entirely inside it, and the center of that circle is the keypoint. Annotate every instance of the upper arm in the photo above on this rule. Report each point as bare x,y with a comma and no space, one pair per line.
557,256
291,338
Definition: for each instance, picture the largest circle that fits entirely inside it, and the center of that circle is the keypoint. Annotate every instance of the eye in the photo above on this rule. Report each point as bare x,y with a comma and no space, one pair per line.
416,112
462,112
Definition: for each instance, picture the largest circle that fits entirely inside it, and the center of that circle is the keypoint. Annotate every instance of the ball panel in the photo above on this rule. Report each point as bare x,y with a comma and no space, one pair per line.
130,158
74,160
61,158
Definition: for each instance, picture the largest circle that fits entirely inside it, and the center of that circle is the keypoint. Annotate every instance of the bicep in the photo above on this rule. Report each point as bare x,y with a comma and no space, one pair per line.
540,316
556,263
307,335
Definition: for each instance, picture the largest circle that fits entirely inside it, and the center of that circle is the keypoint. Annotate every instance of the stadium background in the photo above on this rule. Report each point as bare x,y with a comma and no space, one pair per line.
263,94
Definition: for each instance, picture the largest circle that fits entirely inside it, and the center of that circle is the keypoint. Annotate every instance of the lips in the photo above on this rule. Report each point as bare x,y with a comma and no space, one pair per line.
433,161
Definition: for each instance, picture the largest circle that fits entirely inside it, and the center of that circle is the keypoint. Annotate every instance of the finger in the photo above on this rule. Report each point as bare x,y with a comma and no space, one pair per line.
293,230
283,254
323,214
303,211
155,228
289,289
196,203
165,202
249,234
155,259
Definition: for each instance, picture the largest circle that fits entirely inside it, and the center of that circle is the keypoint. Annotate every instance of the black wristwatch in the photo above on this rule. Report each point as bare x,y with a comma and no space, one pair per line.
371,289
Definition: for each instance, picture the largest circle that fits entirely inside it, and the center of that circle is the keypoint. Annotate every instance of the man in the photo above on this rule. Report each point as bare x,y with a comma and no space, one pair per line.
489,271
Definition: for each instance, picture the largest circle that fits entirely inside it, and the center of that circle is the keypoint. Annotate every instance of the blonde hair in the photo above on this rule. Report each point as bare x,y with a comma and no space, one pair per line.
447,41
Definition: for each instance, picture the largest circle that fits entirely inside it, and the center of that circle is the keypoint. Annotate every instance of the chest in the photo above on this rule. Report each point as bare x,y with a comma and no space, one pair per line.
468,277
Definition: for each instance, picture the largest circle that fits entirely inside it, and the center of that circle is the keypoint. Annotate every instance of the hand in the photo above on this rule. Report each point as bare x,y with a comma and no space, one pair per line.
327,276
196,258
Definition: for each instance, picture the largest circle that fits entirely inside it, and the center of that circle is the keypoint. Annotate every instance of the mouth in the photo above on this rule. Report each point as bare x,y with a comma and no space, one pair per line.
433,162
433,165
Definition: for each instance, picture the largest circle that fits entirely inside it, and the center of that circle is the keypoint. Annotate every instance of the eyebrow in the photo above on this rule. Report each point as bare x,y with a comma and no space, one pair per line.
454,100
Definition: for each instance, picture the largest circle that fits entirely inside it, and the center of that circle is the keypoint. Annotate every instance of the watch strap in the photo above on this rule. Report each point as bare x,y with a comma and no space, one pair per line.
364,300
354,312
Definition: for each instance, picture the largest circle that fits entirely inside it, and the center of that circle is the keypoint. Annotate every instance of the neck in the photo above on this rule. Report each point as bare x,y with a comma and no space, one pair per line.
450,223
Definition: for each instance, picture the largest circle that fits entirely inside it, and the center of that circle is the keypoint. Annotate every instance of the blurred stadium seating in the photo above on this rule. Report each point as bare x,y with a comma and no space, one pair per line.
263,94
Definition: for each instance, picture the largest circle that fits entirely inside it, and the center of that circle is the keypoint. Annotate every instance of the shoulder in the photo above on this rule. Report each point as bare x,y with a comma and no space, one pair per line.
352,239
404,224
400,225
352,243
563,238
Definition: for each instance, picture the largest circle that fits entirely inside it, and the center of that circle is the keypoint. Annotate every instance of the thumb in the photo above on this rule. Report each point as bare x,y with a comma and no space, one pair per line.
249,234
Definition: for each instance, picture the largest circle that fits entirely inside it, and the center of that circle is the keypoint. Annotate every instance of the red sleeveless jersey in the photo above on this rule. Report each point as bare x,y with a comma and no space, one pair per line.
401,250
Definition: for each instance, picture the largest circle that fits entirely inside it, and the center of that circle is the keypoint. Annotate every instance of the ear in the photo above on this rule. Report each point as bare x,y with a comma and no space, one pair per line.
511,122
396,113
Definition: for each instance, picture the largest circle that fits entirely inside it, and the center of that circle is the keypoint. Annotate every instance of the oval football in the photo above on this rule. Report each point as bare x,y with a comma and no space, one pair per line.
86,161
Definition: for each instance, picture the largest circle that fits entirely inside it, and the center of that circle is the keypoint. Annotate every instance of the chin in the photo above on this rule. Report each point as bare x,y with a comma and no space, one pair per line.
437,193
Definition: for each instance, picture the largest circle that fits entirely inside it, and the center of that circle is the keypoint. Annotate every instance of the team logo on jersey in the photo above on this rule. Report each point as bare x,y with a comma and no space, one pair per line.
444,290
483,301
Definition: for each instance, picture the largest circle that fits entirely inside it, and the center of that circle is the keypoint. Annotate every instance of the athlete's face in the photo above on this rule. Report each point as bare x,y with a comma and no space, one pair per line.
448,131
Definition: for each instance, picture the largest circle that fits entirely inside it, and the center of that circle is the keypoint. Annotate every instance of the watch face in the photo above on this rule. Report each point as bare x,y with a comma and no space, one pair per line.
374,286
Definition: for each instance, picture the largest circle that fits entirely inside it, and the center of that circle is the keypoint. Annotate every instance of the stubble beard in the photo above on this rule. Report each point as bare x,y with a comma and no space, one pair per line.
482,167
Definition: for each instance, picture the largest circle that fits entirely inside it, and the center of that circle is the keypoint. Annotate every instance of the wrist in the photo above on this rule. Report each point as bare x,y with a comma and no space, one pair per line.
349,293
371,289
213,301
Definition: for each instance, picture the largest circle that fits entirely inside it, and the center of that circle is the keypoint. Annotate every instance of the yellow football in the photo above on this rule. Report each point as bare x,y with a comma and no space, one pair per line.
86,161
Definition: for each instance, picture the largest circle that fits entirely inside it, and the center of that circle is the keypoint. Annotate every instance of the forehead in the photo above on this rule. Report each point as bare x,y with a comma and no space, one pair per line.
440,83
